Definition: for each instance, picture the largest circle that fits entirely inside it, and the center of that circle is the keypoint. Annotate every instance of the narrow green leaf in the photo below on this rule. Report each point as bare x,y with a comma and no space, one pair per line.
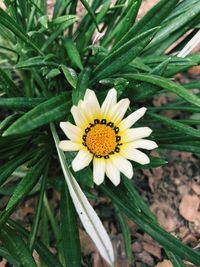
90,11
5,123
143,91
176,24
35,224
70,75
10,87
175,125
73,53
62,19
125,231
20,102
122,56
59,30
195,148
175,106
55,108
136,199
49,258
6,255
175,260
10,24
82,84
59,7
154,163
128,20
151,19
17,247
26,184
87,33
8,168
53,73
69,230
38,61
167,85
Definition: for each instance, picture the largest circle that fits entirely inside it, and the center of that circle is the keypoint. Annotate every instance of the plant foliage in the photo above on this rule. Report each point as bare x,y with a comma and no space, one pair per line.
46,64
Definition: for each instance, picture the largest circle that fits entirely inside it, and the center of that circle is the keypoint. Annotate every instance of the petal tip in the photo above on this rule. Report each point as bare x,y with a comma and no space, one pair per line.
98,182
116,183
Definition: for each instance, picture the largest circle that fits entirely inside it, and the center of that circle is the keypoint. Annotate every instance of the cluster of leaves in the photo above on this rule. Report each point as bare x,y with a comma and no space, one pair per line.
45,67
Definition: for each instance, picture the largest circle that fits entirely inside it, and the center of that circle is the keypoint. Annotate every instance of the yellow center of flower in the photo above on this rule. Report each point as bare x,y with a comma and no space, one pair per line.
101,140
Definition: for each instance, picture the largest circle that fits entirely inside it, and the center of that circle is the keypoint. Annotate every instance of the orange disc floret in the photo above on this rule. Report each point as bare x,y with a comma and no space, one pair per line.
101,140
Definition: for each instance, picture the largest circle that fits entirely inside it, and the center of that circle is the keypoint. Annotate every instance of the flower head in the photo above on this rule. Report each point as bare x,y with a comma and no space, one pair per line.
102,135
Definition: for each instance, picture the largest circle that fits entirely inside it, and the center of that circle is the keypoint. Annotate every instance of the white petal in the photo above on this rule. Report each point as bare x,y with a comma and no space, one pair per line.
88,216
71,131
135,155
118,111
70,146
143,143
112,172
82,159
91,100
123,165
109,102
136,133
91,221
87,110
79,117
132,118
99,168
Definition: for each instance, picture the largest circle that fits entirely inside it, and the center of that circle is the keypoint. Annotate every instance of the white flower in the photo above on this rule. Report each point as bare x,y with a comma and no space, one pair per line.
102,135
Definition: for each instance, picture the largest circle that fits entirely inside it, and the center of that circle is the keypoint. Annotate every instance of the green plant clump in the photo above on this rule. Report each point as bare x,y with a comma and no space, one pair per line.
46,65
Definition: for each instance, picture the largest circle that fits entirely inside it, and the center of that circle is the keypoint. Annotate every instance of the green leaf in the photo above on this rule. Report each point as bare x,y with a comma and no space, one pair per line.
151,19
26,184
136,200
73,53
37,214
175,260
53,109
9,167
70,75
38,61
154,163
82,84
175,125
125,231
90,11
59,7
6,255
17,247
69,230
193,148
127,20
53,73
122,56
20,102
87,33
176,24
62,19
8,121
10,24
143,91
49,258
165,84
58,31
10,87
